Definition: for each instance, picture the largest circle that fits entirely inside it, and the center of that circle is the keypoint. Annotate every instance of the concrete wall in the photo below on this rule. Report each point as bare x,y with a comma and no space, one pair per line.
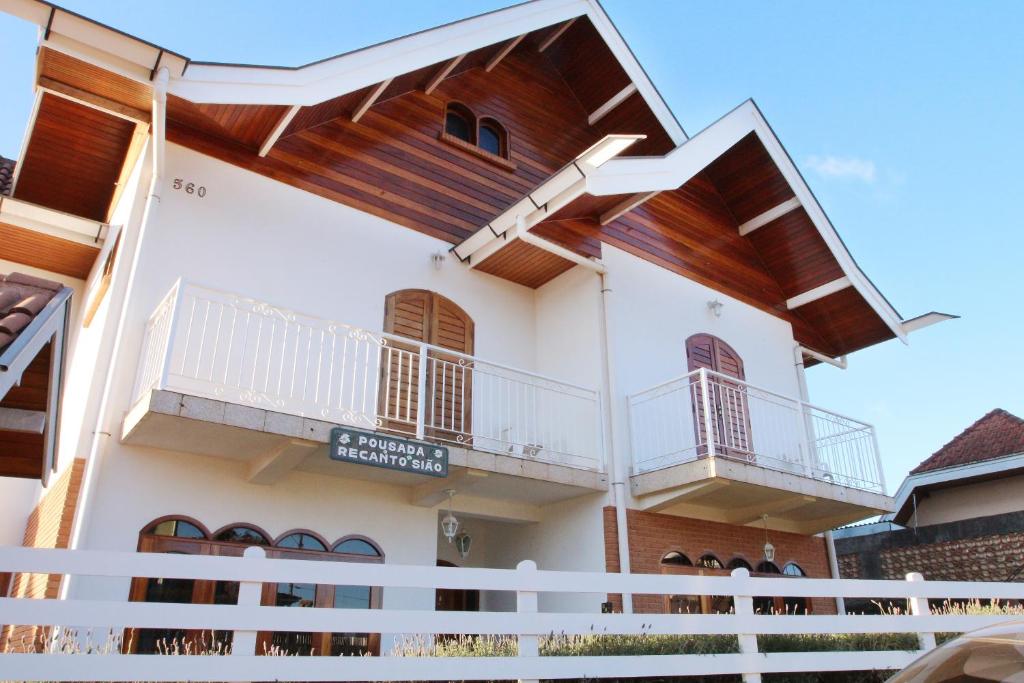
981,499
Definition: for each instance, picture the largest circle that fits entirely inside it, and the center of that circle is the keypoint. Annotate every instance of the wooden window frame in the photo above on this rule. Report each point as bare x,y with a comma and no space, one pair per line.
204,591
472,146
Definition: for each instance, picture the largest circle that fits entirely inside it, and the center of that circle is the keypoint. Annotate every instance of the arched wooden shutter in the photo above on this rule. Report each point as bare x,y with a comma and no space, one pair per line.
728,400
427,317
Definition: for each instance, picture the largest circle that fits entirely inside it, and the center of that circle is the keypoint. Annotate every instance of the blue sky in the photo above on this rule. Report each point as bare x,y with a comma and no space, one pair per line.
903,116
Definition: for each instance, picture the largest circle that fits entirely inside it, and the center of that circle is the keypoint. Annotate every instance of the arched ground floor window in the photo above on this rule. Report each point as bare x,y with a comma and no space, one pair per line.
179,534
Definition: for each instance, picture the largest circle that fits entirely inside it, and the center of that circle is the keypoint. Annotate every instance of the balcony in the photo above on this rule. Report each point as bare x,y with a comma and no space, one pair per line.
807,468
225,375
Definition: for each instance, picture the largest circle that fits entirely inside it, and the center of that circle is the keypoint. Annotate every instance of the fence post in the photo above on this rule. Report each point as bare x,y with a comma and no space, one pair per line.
526,602
709,434
744,606
421,393
249,593
919,607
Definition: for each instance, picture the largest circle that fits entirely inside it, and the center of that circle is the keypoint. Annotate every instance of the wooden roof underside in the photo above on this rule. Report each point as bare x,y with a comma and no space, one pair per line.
694,231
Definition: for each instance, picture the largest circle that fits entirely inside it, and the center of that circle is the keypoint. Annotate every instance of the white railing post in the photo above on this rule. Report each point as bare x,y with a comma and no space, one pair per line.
744,606
919,607
526,602
807,440
249,594
709,435
879,472
172,325
421,393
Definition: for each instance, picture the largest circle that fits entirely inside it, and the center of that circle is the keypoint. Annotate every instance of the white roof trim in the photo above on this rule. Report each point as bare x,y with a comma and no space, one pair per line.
673,170
971,469
320,81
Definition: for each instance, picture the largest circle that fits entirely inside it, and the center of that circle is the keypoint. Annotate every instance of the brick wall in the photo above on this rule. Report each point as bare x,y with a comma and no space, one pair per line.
49,526
987,548
652,535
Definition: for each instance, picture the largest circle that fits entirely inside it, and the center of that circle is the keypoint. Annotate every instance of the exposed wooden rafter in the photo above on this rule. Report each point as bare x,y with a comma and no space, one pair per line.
448,67
818,292
26,421
90,99
769,215
503,52
615,101
625,206
275,134
370,98
555,35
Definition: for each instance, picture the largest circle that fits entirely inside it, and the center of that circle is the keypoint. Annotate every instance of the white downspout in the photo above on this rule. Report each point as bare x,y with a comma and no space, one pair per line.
801,379
617,483
90,476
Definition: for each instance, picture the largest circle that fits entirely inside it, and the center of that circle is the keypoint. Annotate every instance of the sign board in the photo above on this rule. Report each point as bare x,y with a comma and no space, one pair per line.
390,452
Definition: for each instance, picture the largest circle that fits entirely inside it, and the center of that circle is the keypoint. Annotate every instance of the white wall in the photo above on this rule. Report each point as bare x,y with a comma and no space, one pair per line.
967,501
652,311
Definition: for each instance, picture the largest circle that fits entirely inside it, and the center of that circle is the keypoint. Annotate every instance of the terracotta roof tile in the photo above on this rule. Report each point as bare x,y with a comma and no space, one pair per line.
22,297
6,175
995,435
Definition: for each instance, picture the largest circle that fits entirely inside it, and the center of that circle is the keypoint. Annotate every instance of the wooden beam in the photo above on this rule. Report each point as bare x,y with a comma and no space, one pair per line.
769,215
370,98
17,420
92,100
615,101
275,134
555,35
443,73
503,52
818,292
625,206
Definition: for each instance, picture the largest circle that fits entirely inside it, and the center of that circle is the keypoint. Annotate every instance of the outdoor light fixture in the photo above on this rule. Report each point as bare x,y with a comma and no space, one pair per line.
716,307
437,258
462,543
450,525
769,549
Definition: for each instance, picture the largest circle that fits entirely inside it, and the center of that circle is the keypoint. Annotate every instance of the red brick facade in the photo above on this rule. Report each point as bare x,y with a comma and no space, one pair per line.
49,526
653,535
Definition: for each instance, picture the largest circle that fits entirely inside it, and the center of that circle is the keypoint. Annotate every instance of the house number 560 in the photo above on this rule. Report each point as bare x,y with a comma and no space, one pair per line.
189,188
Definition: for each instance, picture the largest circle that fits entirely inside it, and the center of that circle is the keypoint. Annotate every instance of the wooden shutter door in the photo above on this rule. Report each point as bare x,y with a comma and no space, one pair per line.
406,314
449,381
431,318
728,400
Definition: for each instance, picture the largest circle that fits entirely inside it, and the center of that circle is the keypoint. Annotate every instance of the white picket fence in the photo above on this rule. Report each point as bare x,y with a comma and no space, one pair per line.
527,624
228,347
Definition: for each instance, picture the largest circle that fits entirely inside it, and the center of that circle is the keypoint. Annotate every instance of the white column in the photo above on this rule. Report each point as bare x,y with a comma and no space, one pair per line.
526,601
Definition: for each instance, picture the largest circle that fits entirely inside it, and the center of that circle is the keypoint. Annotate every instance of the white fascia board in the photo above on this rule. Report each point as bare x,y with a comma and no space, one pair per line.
94,42
680,165
613,39
41,219
656,174
926,320
828,232
315,83
947,474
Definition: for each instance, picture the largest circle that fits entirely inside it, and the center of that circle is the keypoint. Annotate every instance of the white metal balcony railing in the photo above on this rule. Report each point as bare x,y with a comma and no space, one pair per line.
228,347
670,424
93,620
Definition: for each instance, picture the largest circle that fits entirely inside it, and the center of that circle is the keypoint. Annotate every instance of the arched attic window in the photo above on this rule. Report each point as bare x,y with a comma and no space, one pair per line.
460,122
492,137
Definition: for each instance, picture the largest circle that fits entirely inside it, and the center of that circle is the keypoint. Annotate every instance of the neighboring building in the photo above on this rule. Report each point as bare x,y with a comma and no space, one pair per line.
959,515
492,236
